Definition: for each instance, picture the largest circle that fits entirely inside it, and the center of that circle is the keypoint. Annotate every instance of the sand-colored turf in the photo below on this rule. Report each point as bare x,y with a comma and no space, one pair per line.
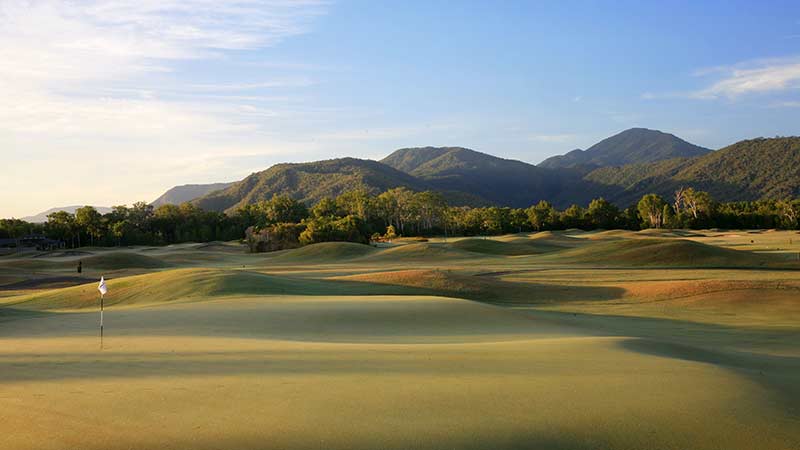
555,340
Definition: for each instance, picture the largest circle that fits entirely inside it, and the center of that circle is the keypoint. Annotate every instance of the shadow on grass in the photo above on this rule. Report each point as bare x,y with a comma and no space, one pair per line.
715,344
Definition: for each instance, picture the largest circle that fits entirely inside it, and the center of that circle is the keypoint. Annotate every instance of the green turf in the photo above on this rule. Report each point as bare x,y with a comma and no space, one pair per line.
661,339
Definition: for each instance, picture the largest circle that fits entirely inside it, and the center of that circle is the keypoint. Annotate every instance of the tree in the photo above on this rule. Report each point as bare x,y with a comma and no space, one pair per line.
327,229
790,212
651,208
120,229
281,209
429,208
391,233
573,217
280,236
325,208
698,202
679,200
356,202
602,213
542,216
61,225
668,217
518,219
90,221
394,206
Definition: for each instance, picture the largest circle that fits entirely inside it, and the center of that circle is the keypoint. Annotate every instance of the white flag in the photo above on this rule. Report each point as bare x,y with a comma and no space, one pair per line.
102,287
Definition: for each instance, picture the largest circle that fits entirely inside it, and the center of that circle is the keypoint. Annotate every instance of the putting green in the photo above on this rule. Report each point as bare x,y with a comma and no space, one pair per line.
362,373
555,340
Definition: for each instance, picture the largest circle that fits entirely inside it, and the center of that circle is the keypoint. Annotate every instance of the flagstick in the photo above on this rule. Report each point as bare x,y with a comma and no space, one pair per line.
101,321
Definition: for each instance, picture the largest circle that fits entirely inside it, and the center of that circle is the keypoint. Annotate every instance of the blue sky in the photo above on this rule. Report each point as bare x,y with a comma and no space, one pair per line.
109,102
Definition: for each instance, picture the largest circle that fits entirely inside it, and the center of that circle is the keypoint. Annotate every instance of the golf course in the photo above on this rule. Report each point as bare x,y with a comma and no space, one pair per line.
551,340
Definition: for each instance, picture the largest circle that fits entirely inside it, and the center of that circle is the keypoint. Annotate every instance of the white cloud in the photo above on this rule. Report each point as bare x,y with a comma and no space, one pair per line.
97,86
753,78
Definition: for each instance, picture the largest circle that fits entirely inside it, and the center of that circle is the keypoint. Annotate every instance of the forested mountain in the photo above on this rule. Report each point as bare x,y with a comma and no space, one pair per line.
497,180
310,182
633,146
187,192
748,170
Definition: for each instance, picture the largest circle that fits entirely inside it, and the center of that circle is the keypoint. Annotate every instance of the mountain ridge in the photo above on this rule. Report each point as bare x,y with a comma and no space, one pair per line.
187,192
634,145
471,178
42,216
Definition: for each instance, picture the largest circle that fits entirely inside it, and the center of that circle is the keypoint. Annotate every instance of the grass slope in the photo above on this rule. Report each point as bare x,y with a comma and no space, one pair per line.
660,252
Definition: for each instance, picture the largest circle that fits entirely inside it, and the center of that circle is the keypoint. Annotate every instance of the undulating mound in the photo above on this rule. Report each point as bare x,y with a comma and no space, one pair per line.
658,232
660,252
327,252
122,260
556,238
224,247
492,247
611,234
484,289
423,252
196,284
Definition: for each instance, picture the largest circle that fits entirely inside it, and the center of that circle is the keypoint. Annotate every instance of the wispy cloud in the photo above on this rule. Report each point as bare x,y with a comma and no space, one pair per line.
765,76
753,78
98,81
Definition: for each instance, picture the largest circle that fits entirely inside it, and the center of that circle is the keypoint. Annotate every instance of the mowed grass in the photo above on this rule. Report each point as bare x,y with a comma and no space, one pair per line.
562,340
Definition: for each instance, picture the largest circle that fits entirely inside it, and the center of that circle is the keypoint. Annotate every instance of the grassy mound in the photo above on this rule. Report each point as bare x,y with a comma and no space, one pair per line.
660,252
492,247
122,260
612,234
196,285
223,247
327,252
482,288
657,232
423,252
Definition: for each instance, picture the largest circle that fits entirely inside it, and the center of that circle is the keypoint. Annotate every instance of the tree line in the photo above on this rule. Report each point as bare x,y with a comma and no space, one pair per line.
358,216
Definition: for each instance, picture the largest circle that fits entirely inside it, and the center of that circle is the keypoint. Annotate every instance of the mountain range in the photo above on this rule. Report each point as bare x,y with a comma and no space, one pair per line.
186,193
42,216
620,168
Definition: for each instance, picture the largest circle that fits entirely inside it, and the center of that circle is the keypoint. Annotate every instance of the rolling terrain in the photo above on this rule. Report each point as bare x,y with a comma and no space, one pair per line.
659,339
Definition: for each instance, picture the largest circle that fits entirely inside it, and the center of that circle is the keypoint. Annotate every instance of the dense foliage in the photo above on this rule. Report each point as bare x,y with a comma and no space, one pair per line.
358,216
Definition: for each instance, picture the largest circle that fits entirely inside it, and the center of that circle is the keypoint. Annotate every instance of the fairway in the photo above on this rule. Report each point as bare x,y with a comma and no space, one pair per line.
567,340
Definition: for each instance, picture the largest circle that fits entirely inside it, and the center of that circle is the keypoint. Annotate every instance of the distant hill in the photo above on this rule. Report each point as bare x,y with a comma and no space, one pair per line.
310,182
633,146
187,192
42,216
497,180
748,170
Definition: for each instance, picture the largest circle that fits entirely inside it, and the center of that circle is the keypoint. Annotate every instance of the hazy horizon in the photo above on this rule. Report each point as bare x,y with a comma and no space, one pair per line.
113,102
